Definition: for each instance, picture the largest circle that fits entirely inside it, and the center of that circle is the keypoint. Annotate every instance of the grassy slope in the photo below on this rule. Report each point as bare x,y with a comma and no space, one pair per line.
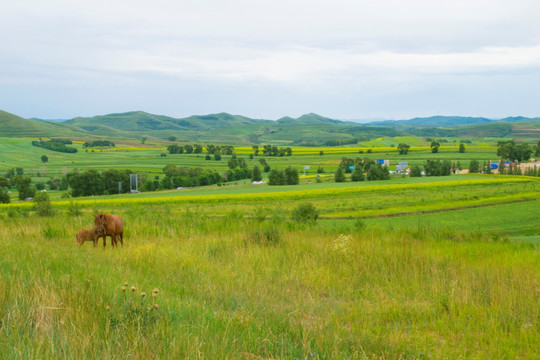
12,125
386,294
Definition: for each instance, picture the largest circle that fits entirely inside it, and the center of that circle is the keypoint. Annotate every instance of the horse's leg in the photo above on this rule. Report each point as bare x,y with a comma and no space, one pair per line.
122,238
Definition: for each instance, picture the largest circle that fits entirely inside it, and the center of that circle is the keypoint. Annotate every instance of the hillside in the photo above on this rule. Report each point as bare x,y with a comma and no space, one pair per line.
309,129
15,126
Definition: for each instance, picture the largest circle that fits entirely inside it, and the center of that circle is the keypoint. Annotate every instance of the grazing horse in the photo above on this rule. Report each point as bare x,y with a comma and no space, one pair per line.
88,235
109,225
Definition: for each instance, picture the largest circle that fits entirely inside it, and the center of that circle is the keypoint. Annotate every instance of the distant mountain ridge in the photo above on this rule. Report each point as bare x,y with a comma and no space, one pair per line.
449,121
308,129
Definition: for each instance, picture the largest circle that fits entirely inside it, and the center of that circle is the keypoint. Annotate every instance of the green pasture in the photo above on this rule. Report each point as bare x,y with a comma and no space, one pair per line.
148,160
409,268
233,287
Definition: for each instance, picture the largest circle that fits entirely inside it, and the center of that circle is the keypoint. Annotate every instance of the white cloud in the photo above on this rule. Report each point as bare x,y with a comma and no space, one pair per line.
315,47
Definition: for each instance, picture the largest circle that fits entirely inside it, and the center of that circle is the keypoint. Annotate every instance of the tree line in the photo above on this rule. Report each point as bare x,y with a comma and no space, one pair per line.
54,145
96,143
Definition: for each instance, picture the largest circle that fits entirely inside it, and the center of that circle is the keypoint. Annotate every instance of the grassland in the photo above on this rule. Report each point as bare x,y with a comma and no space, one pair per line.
238,279
146,159
410,268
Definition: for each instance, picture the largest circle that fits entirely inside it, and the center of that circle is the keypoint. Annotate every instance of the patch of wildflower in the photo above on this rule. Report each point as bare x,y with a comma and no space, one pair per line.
132,309
342,246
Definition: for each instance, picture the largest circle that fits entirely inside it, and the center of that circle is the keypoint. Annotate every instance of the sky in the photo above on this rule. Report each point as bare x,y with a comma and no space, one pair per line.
344,59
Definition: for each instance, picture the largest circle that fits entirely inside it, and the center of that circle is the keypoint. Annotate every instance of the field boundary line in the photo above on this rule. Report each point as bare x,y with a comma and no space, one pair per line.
426,211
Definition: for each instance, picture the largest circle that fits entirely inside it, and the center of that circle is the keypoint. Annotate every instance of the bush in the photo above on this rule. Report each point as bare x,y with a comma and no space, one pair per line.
74,209
4,196
305,213
43,205
415,171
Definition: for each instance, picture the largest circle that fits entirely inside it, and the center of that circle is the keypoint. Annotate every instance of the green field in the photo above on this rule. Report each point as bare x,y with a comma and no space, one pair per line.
409,268
147,159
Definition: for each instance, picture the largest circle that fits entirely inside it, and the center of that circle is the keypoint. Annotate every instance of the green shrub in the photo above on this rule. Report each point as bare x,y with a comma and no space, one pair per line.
4,196
74,209
305,212
415,171
43,205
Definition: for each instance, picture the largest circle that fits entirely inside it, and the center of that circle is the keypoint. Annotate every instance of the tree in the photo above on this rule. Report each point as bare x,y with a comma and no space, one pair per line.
474,166
4,182
321,153
487,167
87,183
461,148
291,176
276,177
403,148
432,168
217,156
446,168
143,139
44,158
415,171
232,163
378,172
172,138
339,175
256,174
435,146
510,150
255,150
4,196
25,187
537,149
358,175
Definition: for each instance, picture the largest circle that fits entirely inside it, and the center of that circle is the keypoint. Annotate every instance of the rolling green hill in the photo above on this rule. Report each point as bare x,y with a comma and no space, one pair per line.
308,129
15,126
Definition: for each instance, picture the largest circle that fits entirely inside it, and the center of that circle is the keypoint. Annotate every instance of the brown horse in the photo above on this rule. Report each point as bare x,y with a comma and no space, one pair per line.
109,225
88,235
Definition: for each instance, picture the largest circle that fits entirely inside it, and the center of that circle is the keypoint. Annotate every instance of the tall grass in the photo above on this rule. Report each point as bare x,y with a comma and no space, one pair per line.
352,292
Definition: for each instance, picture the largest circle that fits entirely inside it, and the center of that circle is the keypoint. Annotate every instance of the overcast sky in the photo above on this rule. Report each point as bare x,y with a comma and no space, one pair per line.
345,59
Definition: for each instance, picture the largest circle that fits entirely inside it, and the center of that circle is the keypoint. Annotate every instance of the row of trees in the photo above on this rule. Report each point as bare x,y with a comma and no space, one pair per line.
188,149
289,176
92,182
510,150
403,148
96,143
54,146
373,172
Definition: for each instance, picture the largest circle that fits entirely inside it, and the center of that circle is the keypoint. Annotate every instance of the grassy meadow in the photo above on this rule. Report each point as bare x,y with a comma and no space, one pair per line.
428,268
408,268
147,159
